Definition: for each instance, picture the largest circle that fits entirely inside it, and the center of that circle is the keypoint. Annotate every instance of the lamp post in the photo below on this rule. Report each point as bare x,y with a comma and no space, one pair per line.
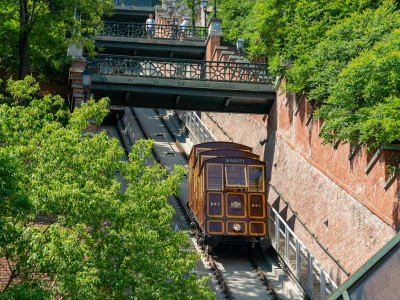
205,4
86,81
215,9
239,46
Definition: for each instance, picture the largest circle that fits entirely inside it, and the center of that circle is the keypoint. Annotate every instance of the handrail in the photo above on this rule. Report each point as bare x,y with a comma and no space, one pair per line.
139,3
157,31
309,261
134,66
196,126
312,234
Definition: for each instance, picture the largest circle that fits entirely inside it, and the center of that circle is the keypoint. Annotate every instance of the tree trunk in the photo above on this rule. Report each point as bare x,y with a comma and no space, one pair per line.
23,39
23,55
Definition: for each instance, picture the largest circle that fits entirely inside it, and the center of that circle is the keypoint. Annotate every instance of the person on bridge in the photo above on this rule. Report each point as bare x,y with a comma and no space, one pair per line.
150,27
184,27
174,26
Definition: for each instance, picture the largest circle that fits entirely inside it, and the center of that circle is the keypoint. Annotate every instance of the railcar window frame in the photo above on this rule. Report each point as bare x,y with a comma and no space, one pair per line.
222,176
263,178
245,175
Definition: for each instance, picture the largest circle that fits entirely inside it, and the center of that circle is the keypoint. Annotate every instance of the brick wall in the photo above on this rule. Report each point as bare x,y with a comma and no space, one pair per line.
211,43
321,184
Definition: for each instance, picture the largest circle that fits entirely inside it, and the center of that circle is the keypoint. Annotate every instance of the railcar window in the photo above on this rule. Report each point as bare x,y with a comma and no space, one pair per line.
236,175
214,177
256,179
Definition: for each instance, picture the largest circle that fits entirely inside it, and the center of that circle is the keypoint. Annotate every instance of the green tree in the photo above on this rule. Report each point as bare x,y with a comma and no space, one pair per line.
96,242
342,53
35,34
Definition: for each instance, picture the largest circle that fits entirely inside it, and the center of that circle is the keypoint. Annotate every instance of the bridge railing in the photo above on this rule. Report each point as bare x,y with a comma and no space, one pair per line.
196,126
310,274
212,71
157,31
140,3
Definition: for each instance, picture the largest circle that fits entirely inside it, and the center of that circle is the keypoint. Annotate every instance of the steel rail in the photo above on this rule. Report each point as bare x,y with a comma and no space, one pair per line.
257,268
263,278
121,136
181,203
217,272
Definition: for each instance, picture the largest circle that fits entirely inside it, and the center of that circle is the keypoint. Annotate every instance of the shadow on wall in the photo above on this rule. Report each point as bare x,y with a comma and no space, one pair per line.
396,214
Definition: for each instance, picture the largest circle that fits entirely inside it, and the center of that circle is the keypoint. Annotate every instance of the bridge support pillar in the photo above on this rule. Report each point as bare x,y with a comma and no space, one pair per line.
214,38
77,93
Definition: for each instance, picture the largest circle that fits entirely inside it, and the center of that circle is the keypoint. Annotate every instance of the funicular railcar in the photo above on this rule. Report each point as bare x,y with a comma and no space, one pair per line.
227,194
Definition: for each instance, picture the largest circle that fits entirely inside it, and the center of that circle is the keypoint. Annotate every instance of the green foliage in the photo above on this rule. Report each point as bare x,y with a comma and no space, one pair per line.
234,16
97,241
344,54
51,27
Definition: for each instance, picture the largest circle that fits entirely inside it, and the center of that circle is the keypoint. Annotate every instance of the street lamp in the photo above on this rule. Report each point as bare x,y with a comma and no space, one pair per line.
205,4
86,81
240,46
215,9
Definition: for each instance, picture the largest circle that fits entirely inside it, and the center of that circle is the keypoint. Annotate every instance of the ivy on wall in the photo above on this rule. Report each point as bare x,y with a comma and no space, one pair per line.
345,54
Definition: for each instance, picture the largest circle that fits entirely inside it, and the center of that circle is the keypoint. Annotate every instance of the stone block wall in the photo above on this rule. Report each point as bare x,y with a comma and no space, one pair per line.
351,209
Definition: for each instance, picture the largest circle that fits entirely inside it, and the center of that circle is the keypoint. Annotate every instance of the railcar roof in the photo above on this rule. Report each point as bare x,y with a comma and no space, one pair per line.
220,145
248,161
227,152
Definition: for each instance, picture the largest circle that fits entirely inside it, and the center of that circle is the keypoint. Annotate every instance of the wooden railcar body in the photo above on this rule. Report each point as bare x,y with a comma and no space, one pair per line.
227,193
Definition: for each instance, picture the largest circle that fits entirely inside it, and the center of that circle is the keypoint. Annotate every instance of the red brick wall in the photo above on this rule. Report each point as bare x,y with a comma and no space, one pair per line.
211,43
320,183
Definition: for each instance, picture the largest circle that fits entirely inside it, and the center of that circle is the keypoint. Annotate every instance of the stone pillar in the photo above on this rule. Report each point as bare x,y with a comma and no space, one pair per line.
78,94
214,38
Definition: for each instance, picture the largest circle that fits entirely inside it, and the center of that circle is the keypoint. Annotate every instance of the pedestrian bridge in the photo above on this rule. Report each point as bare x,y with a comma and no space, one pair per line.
240,87
130,38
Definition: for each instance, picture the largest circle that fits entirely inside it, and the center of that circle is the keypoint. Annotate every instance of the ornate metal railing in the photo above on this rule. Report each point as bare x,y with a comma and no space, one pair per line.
181,69
141,3
140,30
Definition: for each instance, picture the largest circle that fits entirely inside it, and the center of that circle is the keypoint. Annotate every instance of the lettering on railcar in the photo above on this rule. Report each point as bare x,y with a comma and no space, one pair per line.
256,205
234,160
215,204
236,205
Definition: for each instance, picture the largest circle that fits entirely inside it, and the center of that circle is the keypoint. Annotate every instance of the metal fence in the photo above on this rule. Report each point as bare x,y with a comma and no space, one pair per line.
134,66
141,3
140,30
311,276
196,126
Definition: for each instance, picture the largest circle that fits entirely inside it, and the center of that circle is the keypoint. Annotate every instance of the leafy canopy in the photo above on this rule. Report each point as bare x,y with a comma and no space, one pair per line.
95,241
343,53
51,26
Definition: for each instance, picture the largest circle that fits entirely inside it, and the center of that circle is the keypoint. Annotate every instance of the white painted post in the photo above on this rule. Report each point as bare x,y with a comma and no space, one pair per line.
277,231
322,279
310,273
287,244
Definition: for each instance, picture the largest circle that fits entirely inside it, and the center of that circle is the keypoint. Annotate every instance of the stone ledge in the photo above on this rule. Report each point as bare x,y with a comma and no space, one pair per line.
392,177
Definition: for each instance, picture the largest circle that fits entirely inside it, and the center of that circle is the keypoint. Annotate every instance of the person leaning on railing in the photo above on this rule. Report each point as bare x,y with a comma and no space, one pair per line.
174,28
150,26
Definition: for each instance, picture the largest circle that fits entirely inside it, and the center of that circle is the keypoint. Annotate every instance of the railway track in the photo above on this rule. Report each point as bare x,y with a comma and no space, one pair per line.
239,276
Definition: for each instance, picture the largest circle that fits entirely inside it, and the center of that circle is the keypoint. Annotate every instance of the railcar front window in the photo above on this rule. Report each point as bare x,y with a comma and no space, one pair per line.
214,177
236,175
256,179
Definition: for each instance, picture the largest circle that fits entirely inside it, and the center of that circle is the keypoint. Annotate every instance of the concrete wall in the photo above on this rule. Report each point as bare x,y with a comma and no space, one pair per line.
321,184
